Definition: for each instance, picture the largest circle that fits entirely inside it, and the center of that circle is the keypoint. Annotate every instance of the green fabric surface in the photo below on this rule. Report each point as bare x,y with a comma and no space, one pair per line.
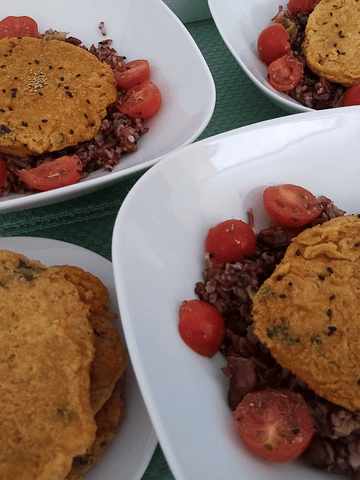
88,221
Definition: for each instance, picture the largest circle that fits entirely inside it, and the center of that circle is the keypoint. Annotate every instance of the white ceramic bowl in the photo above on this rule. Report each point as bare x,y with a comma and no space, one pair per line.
139,29
158,256
239,23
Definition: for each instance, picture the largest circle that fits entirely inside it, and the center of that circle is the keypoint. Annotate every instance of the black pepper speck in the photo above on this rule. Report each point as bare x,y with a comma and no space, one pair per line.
331,331
4,130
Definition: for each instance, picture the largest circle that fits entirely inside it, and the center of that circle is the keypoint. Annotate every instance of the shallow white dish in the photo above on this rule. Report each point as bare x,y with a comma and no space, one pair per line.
177,66
131,450
158,256
239,23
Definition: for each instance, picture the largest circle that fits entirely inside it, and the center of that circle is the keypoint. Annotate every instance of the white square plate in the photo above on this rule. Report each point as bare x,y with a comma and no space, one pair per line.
132,448
158,256
139,29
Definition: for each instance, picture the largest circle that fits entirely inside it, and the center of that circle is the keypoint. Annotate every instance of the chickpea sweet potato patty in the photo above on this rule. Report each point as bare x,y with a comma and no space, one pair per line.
308,312
61,368
53,95
332,41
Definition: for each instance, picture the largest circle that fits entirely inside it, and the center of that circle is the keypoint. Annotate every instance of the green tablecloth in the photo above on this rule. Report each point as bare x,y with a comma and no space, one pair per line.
88,221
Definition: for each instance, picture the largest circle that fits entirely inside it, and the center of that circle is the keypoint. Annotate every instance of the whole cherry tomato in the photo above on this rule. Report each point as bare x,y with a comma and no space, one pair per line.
201,326
273,43
230,240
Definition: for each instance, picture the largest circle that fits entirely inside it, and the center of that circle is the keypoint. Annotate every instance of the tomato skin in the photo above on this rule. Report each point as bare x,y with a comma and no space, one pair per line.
132,73
298,6
141,101
285,73
352,96
201,327
3,172
291,205
229,241
273,43
274,424
54,174
22,26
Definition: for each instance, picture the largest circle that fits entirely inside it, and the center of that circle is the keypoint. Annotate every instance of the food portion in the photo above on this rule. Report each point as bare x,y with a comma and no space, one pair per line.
60,100
61,370
308,312
321,69
331,43
290,312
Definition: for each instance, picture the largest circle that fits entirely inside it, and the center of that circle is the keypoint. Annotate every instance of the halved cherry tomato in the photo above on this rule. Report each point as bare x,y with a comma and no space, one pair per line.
201,326
299,6
273,43
274,424
129,74
18,27
141,101
291,205
230,240
352,96
54,174
285,73
3,172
